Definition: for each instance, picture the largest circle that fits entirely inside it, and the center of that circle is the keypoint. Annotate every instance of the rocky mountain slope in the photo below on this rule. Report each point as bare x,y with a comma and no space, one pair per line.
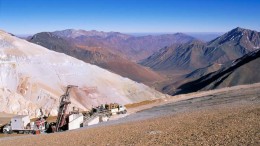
239,72
95,55
205,70
34,77
196,54
127,46
172,83
188,56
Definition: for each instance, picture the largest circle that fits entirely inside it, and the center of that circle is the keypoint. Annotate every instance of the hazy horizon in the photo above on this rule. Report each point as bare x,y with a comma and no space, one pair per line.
135,33
204,36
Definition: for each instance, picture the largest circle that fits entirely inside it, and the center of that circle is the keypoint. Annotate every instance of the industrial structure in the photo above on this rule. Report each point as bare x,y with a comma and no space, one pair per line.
22,124
62,111
65,120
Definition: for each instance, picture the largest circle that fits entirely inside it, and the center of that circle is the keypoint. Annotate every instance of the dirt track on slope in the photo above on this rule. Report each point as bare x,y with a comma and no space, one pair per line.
226,117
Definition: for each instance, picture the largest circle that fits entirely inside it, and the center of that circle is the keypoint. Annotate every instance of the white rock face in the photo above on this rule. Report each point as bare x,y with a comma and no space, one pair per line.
33,77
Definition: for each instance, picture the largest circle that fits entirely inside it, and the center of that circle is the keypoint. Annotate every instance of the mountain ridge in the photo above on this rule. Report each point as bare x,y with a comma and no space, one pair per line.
131,47
229,46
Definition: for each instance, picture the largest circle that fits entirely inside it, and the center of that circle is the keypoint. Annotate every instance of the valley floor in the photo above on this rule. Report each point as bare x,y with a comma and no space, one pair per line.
222,117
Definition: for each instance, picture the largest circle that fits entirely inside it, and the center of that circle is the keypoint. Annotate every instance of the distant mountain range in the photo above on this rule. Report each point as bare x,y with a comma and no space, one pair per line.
196,54
128,46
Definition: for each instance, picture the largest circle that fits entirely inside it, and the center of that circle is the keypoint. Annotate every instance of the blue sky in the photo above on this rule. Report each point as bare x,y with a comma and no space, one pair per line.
32,16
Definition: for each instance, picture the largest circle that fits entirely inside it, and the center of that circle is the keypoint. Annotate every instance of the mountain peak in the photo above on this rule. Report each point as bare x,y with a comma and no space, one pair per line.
239,29
246,39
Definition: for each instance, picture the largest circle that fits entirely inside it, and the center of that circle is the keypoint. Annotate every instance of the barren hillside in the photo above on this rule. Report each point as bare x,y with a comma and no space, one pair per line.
34,77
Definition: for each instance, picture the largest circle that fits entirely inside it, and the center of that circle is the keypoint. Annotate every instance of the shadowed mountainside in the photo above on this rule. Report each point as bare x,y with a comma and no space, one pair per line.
241,71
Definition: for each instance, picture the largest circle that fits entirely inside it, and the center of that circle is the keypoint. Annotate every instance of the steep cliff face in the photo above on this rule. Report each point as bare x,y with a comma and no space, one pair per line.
34,77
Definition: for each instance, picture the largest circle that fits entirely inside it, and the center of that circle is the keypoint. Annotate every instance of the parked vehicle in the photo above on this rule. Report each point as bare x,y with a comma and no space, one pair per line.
22,124
122,109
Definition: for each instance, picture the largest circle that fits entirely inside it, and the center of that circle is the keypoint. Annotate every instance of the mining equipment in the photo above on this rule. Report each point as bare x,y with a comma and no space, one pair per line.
62,119
65,120
102,113
22,124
